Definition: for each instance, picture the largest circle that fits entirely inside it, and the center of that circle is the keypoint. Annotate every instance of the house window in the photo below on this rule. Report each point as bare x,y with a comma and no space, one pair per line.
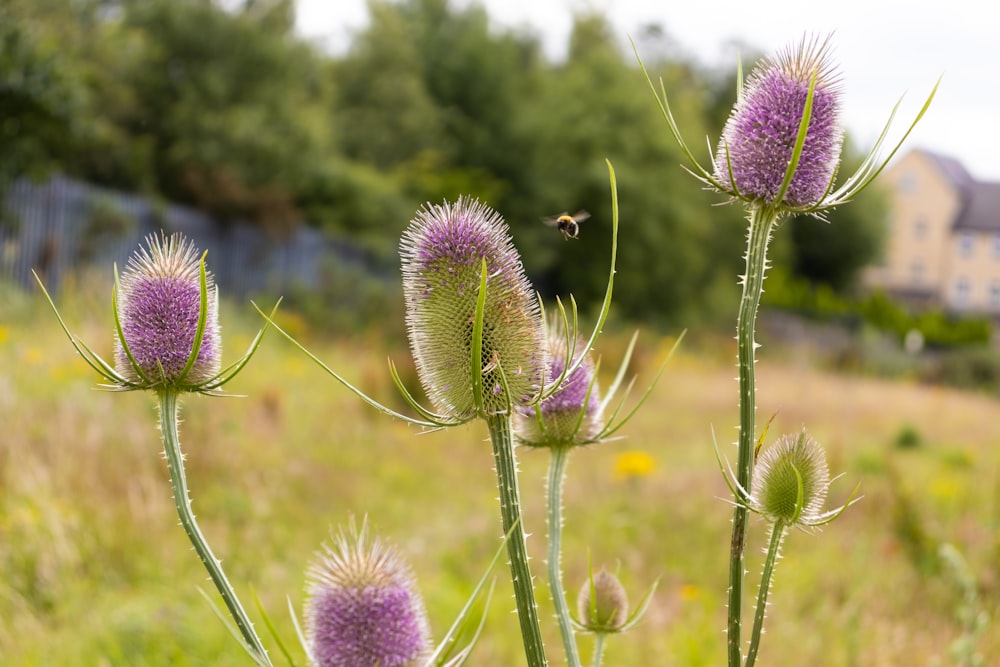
963,290
917,272
920,228
908,183
995,295
996,246
965,244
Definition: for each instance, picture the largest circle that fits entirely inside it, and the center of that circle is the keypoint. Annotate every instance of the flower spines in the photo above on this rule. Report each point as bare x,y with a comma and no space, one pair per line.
792,481
362,606
159,308
442,256
759,138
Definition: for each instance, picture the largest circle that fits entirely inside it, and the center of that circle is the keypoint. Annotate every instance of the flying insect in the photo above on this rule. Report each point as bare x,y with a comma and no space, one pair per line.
568,224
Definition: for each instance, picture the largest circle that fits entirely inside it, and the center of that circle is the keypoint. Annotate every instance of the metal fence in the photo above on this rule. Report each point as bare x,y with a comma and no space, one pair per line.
60,225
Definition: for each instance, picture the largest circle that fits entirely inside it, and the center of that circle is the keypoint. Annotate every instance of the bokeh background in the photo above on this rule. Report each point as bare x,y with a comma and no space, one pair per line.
298,167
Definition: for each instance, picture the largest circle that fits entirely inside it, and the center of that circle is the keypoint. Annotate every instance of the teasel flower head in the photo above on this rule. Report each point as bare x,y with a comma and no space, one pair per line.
780,148
791,482
603,605
572,414
362,606
166,304
792,479
759,139
444,252
166,313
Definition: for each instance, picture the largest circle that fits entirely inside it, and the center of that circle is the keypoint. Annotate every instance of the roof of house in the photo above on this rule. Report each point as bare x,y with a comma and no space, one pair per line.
951,168
981,208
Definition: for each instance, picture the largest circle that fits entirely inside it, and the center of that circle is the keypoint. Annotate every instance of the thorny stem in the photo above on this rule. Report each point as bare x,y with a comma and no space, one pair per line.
517,552
762,221
182,500
599,648
557,473
773,548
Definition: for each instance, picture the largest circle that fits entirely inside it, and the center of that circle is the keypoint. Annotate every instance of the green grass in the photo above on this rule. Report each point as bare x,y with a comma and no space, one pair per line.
97,571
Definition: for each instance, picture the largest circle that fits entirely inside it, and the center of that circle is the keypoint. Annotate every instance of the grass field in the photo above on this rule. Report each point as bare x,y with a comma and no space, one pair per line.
96,571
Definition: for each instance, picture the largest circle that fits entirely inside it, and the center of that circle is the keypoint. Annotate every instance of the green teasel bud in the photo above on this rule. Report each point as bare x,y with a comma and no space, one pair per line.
158,303
791,481
443,252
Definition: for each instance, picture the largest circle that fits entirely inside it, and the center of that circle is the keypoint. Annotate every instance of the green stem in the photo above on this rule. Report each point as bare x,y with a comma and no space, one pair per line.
182,500
599,648
557,473
517,552
762,221
777,534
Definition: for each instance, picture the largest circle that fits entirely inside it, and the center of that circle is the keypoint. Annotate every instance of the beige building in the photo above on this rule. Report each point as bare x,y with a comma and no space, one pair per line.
943,244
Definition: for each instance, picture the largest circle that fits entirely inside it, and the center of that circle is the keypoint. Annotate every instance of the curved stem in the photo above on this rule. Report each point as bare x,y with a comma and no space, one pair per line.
182,500
557,472
762,221
517,551
777,534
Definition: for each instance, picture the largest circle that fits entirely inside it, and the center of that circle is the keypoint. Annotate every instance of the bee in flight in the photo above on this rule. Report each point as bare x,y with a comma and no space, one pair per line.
568,224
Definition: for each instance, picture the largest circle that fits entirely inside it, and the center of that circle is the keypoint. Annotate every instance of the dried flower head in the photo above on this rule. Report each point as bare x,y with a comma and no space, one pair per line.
442,253
791,481
159,309
572,414
759,138
362,606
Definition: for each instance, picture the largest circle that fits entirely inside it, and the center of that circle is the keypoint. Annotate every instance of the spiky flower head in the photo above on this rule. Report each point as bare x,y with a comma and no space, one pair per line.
159,302
759,138
362,606
603,603
791,481
442,253
572,414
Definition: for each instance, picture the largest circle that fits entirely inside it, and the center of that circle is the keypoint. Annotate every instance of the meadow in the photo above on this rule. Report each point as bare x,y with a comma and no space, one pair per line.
96,571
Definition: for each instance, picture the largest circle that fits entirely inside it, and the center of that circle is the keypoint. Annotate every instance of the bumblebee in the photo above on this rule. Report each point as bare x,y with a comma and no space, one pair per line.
568,224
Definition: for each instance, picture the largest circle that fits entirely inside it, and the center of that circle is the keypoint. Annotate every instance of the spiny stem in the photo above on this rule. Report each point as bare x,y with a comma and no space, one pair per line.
762,221
557,473
175,463
517,552
777,534
599,648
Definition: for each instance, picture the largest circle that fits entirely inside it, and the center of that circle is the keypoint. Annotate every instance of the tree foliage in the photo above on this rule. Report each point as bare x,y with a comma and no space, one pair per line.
41,96
221,106
833,252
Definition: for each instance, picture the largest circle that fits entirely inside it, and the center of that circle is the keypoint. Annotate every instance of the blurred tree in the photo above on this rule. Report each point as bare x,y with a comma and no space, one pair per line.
480,80
678,254
435,100
41,96
230,105
218,104
834,252
384,112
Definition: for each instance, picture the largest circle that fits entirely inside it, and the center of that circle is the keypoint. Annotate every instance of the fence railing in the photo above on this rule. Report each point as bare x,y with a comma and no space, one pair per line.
61,225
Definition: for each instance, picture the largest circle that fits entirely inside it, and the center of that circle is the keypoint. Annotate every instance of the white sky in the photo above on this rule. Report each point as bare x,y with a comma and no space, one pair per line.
886,48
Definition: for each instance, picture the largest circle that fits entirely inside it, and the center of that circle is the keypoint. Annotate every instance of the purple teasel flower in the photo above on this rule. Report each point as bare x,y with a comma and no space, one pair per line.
557,420
159,301
443,252
759,138
362,606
